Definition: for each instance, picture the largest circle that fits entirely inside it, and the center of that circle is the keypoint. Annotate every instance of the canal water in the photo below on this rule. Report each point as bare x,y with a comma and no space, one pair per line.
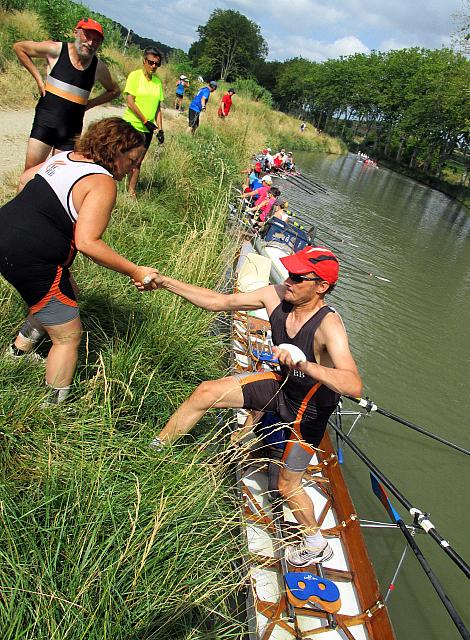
411,340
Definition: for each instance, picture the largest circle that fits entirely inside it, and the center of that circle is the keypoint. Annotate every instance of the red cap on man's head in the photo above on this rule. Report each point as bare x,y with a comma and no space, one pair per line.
320,260
91,25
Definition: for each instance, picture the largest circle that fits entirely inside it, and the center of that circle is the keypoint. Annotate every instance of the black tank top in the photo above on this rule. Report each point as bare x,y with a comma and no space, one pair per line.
67,91
298,385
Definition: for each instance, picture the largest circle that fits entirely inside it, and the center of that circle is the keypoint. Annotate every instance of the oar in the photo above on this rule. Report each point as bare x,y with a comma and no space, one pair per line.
310,189
370,406
310,183
420,519
307,179
307,191
394,516
338,238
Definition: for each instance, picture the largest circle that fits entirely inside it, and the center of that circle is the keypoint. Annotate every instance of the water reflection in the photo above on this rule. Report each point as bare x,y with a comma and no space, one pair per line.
411,339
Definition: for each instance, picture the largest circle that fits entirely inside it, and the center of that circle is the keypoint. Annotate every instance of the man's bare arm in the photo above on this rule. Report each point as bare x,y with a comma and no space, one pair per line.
211,300
111,87
28,49
130,101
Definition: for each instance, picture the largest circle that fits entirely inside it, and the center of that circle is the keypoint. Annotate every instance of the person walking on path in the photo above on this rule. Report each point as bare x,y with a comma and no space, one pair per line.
181,85
198,104
307,390
64,206
226,104
72,70
144,91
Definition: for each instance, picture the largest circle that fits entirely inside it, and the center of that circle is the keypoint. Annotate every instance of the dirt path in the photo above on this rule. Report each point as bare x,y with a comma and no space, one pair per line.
15,127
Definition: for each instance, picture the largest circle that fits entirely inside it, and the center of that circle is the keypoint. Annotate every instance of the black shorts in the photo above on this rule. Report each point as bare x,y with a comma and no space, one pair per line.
193,118
263,392
61,136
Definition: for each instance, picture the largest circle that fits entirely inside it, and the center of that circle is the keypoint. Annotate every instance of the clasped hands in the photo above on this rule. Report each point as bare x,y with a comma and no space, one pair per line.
147,279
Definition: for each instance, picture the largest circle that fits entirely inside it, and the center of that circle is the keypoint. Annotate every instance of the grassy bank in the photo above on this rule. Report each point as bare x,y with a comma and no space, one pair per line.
100,536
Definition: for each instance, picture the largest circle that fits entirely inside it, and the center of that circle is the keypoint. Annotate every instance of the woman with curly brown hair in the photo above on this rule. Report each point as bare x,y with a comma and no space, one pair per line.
64,206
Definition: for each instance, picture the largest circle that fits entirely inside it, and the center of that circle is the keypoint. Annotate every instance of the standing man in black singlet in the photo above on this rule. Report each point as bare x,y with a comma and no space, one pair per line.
303,396
72,70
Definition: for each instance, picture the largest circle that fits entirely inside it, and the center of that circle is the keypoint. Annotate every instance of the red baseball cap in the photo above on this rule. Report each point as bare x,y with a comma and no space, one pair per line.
91,25
320,260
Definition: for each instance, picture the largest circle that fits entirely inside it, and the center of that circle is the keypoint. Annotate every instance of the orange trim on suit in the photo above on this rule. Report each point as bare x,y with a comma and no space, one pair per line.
295,434
55,292
269,375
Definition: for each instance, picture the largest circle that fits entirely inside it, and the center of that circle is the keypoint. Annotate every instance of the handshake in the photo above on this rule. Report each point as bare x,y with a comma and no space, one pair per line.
151,127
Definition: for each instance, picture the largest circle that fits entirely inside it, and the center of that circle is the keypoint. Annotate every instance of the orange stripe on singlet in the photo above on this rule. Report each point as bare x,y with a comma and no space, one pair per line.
65,94
55,292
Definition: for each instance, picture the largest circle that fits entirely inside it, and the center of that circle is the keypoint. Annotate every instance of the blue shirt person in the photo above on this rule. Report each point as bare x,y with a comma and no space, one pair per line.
198,104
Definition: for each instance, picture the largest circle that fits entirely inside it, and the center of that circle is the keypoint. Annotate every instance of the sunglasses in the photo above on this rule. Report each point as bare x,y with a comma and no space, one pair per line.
152,63
297,278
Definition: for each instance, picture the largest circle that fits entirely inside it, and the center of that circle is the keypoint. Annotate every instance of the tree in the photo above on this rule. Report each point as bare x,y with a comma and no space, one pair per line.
229,45
461,37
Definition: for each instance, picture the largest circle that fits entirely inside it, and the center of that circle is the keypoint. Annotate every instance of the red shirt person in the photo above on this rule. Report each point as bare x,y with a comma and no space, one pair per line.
225,104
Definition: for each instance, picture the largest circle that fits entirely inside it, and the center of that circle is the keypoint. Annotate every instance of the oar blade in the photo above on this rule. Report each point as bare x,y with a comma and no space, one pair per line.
381,494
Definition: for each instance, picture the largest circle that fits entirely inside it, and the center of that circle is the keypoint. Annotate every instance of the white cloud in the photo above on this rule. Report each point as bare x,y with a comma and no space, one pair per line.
390,44
302,15
317,50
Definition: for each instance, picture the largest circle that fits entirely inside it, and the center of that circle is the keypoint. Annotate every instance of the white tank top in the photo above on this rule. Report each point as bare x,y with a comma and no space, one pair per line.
62,174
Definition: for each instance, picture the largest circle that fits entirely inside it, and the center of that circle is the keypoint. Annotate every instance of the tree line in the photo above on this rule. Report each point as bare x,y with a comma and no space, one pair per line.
410,105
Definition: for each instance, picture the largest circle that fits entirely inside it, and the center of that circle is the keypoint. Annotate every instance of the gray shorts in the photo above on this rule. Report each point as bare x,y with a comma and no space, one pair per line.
56,312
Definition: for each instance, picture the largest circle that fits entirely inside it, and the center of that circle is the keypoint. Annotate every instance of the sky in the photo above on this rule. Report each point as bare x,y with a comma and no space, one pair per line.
314,29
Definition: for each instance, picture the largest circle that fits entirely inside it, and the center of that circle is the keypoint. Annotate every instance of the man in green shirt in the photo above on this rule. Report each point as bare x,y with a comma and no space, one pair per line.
144,97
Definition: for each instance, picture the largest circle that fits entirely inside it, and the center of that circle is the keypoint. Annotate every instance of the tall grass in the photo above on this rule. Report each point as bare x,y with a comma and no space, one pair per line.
17,88
101,537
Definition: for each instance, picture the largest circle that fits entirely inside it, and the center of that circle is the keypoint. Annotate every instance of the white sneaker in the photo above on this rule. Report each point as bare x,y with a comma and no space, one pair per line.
300,555
30,356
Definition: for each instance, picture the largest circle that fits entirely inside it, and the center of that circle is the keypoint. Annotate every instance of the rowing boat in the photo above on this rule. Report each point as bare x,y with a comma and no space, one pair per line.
339,598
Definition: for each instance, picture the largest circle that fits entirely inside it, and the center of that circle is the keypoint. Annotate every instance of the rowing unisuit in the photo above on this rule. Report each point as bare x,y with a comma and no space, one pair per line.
36,243
59,114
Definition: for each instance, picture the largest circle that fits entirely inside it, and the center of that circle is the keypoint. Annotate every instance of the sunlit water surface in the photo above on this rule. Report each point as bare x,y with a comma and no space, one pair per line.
411,340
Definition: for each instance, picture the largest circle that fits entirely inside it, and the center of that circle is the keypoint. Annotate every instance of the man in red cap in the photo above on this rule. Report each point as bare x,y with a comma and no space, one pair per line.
72,70
316,367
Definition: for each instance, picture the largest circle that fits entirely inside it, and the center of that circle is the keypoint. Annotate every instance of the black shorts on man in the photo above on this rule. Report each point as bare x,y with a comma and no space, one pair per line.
193,118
